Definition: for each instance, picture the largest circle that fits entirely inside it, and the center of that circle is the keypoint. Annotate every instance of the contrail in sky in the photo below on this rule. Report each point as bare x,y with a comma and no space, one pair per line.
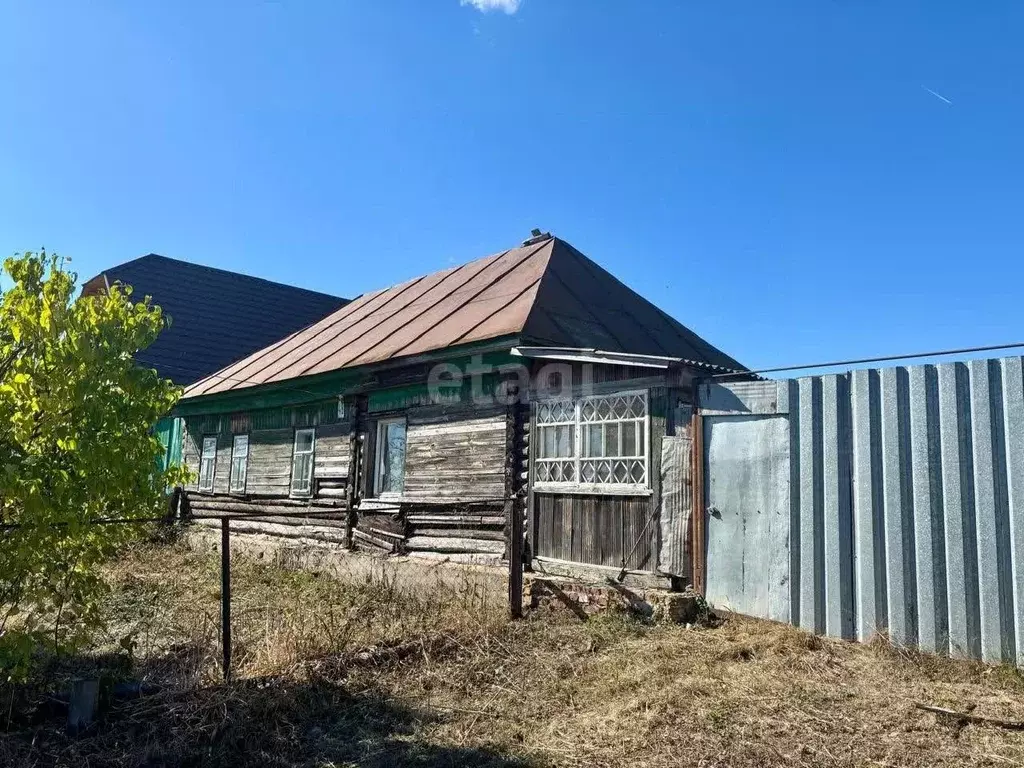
937,95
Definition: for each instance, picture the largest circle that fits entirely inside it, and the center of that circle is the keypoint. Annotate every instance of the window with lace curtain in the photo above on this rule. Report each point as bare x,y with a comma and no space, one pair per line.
597,443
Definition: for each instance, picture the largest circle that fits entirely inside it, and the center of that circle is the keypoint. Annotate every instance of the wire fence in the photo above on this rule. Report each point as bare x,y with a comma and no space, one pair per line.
179,514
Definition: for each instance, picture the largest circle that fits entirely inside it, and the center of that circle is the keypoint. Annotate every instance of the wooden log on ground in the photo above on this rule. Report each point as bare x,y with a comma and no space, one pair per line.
461,533
438,544
369,538
267,509
390,535
326,521
318,535
299,522
281,522
467,558
250,507
328,492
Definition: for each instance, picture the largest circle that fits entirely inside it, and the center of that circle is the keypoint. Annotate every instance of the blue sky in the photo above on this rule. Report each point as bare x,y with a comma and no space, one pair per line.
775,175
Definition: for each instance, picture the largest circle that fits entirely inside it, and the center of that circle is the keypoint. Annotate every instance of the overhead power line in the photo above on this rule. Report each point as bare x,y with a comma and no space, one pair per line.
884,359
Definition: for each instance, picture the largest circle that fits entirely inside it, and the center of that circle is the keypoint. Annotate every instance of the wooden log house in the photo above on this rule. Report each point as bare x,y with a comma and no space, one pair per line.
425,418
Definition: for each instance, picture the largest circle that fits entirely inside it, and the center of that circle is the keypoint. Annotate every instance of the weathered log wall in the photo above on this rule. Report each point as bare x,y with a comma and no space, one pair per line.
455,456
452,502
270,462
269,469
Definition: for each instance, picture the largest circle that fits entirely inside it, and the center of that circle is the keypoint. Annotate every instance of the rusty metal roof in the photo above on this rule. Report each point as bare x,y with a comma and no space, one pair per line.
544,292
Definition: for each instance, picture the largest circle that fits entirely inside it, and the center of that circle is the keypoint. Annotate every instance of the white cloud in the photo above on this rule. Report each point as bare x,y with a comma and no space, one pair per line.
508,6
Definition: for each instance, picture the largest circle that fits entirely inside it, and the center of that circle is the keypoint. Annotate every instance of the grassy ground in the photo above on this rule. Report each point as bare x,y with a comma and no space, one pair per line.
377,671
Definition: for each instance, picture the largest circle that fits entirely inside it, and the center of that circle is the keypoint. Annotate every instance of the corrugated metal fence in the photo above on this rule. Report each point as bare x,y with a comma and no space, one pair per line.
906,503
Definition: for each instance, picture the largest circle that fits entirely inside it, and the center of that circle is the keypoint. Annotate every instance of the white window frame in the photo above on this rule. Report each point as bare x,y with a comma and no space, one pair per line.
578,459
305,488
235,473
204,459
378,458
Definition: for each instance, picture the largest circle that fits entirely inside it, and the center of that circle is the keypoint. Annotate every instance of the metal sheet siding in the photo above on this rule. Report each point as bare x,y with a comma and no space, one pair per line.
907,502
676,505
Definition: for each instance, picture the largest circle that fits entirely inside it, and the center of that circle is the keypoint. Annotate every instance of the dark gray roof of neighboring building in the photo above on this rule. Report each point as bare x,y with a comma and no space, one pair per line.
543,292
217,316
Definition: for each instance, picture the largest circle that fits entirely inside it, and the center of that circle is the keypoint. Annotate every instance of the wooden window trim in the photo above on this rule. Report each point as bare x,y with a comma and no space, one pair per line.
378,457
202,459
308,493
231,466
595,488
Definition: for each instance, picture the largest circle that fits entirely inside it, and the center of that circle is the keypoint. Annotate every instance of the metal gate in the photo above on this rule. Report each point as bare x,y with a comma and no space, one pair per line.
747,526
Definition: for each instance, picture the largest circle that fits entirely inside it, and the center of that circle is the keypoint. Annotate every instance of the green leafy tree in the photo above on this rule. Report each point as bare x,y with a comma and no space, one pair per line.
76,445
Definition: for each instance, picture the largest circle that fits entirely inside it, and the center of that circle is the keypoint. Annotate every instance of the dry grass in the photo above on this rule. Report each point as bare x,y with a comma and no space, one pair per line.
375,671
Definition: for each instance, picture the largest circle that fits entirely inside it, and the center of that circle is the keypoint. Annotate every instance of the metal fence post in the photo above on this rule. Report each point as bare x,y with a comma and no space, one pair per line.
225,594
515,450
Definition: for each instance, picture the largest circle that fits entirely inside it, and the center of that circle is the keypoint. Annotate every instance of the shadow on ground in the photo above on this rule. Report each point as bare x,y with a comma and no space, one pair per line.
262,722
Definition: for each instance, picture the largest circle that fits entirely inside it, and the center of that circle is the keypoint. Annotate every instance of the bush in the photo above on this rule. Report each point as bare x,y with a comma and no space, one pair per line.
76,445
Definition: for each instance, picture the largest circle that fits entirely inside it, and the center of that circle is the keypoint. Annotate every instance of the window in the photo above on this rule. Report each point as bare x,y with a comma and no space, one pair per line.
239,463
598,441
389,477
302,462
207,463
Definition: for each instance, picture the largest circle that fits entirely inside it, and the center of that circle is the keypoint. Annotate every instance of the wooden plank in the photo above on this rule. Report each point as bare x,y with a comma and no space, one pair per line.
557,527
337,471
456,519
591,547
697,549
567,505
611,519
461,412
547,532
595,529
577,549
